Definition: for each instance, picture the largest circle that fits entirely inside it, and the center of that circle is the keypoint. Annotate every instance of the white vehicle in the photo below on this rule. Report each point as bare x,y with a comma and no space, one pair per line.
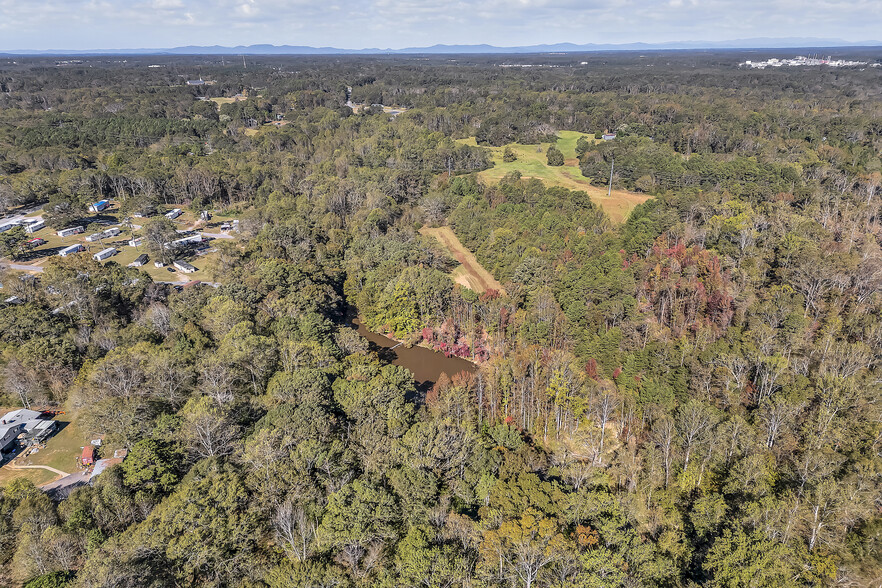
102,255
72,249
70,231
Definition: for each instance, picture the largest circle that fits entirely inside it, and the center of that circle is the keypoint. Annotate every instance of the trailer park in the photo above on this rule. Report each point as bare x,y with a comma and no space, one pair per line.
107,235
45,445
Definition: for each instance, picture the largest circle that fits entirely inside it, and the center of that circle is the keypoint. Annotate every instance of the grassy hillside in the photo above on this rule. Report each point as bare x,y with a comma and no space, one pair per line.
532,163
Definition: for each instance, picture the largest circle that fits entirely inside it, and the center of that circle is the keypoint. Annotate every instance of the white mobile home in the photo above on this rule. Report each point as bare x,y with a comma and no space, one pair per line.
111,232
34,227
72,249
184,267
136,242
185,241
99,206
7,226
70,231
104,254
173,214
140,260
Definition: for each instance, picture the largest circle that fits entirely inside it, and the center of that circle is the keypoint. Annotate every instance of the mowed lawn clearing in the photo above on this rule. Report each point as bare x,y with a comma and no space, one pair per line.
533,164
469,273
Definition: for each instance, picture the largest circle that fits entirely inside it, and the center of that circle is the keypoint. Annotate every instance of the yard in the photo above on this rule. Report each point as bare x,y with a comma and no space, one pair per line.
61,452
532,163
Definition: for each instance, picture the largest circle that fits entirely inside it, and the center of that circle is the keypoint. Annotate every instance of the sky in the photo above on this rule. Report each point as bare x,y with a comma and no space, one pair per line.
357,24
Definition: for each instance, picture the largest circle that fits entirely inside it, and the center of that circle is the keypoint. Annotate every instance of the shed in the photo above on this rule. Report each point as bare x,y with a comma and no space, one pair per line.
88,457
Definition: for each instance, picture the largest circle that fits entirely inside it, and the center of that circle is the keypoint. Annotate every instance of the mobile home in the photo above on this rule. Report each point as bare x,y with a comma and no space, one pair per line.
140,260
34,227
99,206
173,214
70,231
184,267
136,242
72,249
185,241
104,254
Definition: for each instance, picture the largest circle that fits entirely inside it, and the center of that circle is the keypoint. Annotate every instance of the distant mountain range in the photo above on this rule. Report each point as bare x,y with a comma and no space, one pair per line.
756,43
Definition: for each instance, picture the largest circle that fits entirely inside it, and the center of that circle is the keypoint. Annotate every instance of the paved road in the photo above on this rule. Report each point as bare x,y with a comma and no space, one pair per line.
77,479
218,235
21,215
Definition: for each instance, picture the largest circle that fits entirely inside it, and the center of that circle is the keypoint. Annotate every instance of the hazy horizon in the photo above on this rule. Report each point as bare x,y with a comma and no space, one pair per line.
102,25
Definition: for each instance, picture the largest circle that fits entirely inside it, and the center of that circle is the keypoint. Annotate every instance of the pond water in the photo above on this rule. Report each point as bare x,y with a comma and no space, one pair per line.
425,364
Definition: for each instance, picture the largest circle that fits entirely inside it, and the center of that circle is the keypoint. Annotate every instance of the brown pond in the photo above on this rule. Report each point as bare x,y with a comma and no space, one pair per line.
425,365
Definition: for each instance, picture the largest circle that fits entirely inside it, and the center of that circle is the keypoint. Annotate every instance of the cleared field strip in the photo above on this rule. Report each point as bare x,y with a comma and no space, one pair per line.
470,273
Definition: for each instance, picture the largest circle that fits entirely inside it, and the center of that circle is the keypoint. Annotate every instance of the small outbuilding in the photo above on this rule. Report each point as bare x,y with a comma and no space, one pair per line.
88,457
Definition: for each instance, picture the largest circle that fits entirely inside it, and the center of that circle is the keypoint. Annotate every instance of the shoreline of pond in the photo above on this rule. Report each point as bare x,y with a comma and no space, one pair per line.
425,364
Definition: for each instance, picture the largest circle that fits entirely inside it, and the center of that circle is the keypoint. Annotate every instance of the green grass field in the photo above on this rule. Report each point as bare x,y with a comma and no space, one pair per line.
532,163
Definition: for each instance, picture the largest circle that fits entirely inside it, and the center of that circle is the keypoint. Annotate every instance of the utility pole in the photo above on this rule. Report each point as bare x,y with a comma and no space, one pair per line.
611,168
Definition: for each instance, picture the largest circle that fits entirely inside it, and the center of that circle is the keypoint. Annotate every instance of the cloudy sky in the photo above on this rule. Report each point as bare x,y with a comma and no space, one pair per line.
355,24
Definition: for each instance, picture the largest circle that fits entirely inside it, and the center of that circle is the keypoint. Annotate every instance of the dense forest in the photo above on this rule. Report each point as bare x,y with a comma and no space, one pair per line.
687,398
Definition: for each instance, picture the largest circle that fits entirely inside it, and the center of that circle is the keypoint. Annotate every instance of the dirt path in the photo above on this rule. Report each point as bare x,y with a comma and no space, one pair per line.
13,466
477,278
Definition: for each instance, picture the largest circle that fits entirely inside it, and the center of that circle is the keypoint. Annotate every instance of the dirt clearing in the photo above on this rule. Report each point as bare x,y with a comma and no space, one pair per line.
469,273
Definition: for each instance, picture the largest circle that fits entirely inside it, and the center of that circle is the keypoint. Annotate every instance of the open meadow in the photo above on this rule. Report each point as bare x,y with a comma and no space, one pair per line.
531,162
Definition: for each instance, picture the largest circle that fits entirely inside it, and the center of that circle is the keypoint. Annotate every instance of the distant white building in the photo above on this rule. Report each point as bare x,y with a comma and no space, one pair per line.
173,214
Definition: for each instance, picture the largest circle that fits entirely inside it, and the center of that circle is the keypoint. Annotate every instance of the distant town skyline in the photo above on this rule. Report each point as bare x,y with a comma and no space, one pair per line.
347,24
